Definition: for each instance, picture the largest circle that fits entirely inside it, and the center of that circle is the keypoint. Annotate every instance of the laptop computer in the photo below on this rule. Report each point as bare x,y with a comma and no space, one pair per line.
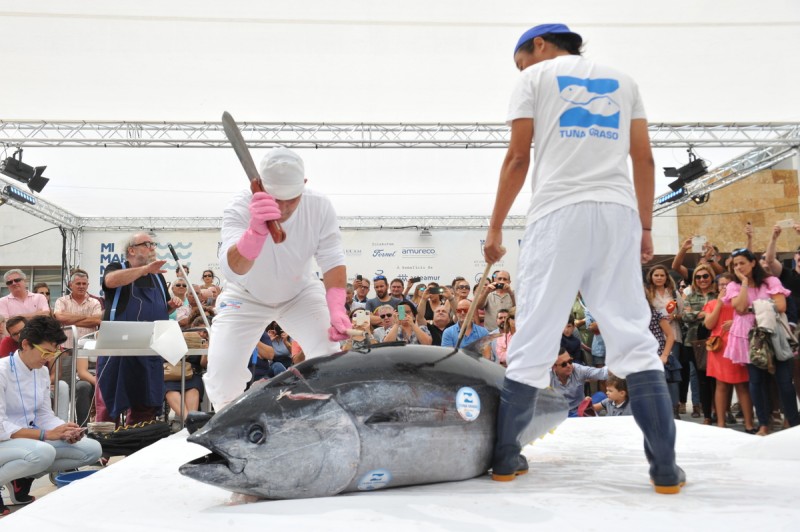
124,335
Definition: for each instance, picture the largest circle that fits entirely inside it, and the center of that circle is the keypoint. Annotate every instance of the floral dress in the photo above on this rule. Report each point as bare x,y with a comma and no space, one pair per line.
738,350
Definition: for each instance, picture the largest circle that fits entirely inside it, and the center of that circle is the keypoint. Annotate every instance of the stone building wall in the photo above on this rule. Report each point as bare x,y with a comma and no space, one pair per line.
762,199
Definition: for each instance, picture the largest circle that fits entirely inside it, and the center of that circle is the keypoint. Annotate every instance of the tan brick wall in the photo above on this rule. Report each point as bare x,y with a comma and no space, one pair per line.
763,199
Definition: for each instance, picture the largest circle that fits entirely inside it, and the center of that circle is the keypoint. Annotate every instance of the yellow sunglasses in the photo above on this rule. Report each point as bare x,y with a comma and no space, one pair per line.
48,355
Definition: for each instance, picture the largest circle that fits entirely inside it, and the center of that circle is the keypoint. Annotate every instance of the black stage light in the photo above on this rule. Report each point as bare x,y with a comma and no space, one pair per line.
701,198
14,168
687,173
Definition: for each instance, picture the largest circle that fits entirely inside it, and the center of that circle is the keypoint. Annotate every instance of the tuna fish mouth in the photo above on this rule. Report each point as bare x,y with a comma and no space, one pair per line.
216,460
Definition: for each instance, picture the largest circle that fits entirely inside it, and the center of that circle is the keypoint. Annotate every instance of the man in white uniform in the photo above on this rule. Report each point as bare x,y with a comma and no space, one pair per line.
274,282
586,119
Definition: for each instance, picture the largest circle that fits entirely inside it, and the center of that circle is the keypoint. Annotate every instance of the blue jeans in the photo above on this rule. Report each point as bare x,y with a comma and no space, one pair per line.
759,391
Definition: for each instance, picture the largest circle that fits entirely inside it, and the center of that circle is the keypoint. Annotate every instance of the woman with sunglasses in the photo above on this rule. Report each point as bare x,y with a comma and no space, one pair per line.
180,289
704,289
718,318
754,283
43,289
33,440
208,279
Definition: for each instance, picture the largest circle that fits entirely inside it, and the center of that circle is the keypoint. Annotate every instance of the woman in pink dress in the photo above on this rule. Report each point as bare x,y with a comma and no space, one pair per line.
755,284
718,319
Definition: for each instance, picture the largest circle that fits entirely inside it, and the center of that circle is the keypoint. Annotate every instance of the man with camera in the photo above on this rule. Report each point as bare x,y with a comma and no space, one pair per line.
382,297
496,295
361,287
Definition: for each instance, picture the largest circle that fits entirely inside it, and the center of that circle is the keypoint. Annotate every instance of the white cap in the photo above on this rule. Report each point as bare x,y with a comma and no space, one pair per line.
282,173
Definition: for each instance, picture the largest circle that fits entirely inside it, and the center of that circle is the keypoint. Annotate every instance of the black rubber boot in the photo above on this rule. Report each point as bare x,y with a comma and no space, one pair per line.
196,420
652,410
19,491
517,402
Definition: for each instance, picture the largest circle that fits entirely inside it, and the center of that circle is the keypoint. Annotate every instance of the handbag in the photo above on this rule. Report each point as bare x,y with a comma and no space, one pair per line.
172,372
714,343
783,341
760,349
700,355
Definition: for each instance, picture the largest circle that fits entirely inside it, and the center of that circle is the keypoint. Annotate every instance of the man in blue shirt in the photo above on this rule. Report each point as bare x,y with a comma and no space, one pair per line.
568,379
474,332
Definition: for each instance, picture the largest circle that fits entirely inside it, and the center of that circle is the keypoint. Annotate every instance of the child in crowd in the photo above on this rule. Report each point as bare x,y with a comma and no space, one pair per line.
616,403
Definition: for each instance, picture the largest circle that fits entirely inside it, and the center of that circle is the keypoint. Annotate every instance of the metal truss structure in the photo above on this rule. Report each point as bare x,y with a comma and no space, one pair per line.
120,134
771,143
346,223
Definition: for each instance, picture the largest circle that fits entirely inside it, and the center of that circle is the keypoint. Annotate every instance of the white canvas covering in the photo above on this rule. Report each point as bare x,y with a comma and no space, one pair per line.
590,474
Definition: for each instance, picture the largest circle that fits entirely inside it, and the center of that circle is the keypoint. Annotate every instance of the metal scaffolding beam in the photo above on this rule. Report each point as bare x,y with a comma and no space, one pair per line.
347,223
122,134
772,143
44,210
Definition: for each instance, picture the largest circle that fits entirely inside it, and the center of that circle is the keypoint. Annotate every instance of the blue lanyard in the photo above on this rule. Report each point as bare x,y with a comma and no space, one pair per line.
21,400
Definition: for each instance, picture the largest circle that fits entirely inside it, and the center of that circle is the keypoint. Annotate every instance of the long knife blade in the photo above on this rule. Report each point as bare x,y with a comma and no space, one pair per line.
243,153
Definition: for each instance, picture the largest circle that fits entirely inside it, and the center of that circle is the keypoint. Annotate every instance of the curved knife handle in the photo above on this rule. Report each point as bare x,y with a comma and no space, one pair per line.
274,227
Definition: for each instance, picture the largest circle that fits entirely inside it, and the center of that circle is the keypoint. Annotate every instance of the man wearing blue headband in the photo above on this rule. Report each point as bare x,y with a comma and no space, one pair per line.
588,229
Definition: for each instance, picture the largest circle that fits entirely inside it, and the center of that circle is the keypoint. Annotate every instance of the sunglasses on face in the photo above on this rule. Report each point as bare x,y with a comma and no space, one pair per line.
384,316
702,276
148,245
14,281
207,275
462,287
566,363
48,355
179,286
462,311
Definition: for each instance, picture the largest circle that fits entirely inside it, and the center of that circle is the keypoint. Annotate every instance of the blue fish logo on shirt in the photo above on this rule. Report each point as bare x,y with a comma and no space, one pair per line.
593,102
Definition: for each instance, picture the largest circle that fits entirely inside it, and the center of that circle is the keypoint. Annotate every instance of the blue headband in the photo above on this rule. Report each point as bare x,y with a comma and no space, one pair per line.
542,29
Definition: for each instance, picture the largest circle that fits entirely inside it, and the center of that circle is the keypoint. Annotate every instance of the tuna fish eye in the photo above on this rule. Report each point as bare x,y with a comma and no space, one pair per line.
255,434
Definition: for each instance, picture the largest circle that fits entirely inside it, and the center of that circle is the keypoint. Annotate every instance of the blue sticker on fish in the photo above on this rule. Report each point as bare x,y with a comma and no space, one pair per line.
468,403
375,480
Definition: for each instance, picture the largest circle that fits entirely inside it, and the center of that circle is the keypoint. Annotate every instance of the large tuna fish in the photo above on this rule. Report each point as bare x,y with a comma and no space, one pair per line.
395,416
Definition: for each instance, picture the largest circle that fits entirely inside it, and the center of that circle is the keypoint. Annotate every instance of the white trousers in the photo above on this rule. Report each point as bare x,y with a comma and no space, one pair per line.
21,457
595,248
239,324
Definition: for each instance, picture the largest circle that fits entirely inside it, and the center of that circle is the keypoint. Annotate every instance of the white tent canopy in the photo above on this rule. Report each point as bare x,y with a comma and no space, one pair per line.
357,61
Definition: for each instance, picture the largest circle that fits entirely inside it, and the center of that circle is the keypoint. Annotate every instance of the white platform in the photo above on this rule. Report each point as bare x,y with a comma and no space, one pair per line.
590,475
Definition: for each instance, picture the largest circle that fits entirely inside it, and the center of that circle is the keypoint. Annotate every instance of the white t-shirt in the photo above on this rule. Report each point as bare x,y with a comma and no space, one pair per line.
24,398
283,270
581,113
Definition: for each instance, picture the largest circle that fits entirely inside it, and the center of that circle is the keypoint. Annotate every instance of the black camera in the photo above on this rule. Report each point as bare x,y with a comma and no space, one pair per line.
436,290
500,286
415,279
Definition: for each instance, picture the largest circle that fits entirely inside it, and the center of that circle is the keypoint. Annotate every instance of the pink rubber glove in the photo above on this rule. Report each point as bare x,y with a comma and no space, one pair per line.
339,320
263,208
